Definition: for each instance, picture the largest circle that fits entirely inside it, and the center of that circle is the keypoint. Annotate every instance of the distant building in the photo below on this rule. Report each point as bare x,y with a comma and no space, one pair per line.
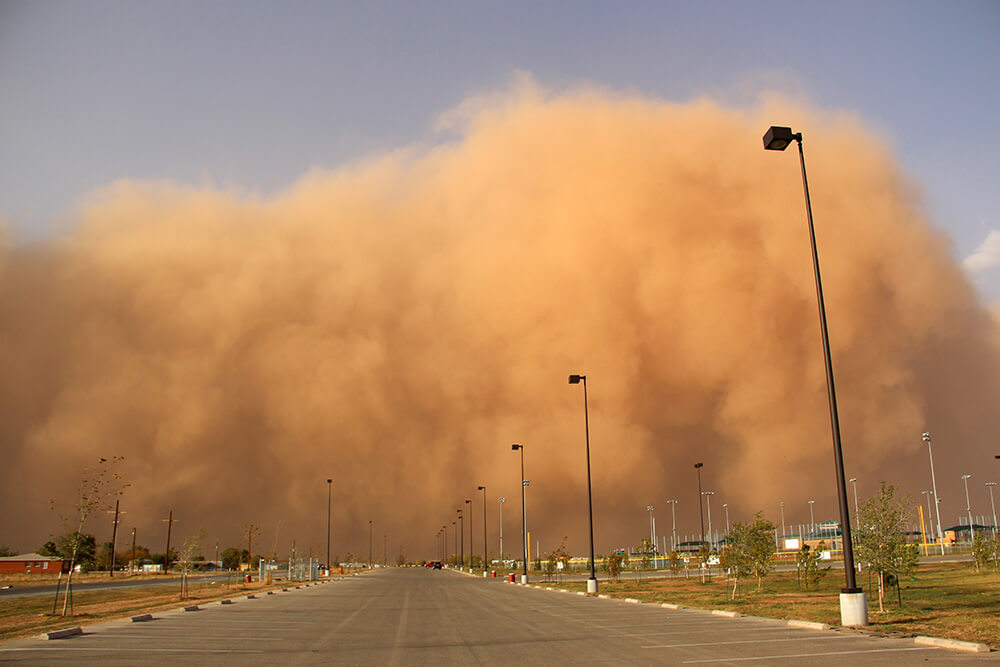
33,564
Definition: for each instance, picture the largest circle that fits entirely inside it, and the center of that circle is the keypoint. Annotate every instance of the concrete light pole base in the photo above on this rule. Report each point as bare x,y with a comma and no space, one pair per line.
524,579
591,586
853,609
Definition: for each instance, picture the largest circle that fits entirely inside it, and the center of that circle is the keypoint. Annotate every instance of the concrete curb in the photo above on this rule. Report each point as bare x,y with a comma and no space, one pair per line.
192,607
142,618
811,625
251,597
938,642
226,601
969,647
61,634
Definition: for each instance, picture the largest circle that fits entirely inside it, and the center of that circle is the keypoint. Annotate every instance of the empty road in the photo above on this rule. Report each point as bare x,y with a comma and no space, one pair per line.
420,616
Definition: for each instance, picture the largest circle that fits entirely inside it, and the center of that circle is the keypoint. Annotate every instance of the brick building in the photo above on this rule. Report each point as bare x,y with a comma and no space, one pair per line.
32,564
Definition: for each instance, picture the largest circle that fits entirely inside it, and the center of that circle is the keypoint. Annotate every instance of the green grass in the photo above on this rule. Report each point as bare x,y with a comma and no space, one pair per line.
947,600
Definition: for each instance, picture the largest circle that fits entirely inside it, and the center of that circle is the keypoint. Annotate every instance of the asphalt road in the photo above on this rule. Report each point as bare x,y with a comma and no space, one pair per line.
420,616
18,591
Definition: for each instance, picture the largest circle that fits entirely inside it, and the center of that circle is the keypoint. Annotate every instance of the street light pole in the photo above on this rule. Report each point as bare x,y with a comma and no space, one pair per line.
461,549
455,526
673,516
857,513
930,516
937,502
968,505
500,501
812,520
781,507
990,485
369,544
524,518
329,495
472,546
853,605
592,581
725,506
701,514
708,501
485,549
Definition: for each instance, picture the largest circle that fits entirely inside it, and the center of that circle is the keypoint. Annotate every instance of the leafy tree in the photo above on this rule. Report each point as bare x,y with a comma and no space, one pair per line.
674,562
49,549
761,548
6,551
613,565
737,558
807,565
983,549
881,540
554,558
80,548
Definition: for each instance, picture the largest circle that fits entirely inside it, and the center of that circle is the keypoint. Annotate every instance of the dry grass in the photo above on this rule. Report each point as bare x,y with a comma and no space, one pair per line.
947,600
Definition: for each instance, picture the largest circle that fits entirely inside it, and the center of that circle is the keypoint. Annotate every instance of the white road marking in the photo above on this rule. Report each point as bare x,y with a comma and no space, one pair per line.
127,650
753,641
811,655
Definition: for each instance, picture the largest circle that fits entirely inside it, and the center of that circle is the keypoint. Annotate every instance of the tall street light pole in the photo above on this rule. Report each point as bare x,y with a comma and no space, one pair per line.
990,485
461,548
701,514
857,513
725,506
592,581
369,544
781,506
500,501
524,518
454,525
812,519
329,495
652,530
968,505
853,605
708,501
926,437
472,548
485,550
673,516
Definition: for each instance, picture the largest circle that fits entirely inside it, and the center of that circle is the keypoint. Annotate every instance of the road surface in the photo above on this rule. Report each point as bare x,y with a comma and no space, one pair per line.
421,616
19,591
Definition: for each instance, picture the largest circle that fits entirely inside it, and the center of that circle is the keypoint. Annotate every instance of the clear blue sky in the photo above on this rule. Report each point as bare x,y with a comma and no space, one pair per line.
253,93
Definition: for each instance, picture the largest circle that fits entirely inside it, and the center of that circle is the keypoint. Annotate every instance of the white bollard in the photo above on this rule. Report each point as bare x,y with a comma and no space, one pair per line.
853,609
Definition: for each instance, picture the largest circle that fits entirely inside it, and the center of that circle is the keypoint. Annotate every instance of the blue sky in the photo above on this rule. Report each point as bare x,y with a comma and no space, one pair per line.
252,94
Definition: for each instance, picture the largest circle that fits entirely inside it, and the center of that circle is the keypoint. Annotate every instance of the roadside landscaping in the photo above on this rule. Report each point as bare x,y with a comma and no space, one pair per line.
942,600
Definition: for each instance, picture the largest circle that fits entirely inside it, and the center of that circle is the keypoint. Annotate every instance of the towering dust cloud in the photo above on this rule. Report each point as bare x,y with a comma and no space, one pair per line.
396,324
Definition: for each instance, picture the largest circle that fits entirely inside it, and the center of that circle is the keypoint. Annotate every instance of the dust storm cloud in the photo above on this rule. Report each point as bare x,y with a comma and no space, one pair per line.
395,324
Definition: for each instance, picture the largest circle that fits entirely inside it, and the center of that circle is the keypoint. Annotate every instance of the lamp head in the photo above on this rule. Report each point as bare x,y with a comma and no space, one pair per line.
516,447
575,379
501,499
480,488
468,502
698,465
926,437
777,138
329,481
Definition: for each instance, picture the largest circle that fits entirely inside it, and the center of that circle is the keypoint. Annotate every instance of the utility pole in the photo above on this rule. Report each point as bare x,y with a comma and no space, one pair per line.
166,557
114,539
133,551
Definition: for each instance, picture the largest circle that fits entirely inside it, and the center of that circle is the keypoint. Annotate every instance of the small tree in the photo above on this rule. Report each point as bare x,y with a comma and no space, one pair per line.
6,551
231,558
761,548
190,548
97,488
983,549
613,565
737,558
807,565
674,562
881,540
